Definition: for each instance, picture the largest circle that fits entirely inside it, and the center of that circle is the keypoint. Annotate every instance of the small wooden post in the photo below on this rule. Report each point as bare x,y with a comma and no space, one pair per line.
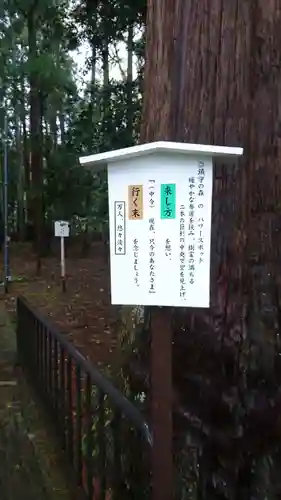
62,231
62,263
161,404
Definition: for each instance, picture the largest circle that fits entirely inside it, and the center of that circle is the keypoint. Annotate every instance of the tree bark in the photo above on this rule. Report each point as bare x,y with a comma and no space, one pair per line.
93,69
130,52
53,127
62,126
26,155
20,183
193,92
212,76
35,138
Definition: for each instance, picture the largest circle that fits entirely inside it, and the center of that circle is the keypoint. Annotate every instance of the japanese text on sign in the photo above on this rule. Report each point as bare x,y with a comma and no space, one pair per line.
152,255
191,231
135,195
200,241
182,253
168,201
168,248
136,261
120,228
151,193
151,236
161,260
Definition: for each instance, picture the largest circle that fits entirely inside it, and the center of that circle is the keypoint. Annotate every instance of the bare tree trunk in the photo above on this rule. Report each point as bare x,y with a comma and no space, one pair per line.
36,140
130,52
194,93
53,127
212,76
94,70
26,162
62,127
19,222
20,182
92,8
105,65
105,69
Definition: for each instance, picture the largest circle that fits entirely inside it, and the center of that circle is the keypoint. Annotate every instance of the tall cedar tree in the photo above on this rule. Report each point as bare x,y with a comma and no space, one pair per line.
212,76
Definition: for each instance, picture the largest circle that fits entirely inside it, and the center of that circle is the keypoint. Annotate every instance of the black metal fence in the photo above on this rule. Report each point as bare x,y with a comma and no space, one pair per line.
105,438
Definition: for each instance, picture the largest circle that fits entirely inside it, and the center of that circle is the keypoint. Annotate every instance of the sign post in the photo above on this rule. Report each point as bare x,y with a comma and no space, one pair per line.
62,231
160,204
161,402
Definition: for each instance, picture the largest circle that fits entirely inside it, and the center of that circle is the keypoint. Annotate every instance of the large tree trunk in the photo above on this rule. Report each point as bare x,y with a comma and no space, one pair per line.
26,149
53,126
62,126
197,90
106,90
20,182
35,138
212,76
93,69
129,83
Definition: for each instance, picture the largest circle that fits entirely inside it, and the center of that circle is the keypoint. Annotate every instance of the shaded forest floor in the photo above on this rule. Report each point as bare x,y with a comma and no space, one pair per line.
31,464
83,312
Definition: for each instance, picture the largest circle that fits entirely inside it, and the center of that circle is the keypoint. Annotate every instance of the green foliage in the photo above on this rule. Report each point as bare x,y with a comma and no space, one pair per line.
228,389
93,120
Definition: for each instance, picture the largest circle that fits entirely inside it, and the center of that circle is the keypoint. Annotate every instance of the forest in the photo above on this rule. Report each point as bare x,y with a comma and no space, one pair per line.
55,111
201,72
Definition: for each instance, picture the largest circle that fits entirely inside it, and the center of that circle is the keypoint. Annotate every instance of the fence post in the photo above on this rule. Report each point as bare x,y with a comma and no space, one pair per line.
55,358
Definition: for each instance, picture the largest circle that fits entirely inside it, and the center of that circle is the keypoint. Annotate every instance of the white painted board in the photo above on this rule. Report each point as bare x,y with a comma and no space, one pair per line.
62,228
160,230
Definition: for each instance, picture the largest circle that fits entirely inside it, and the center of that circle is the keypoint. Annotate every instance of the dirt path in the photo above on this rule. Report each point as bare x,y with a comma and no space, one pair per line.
83,312
22,476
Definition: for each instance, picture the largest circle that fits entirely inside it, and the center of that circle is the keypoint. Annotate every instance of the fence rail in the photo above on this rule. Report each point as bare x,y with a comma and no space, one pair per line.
104,435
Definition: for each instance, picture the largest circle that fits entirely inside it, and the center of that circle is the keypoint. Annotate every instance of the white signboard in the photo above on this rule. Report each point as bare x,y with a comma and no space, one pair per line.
62,229
160,230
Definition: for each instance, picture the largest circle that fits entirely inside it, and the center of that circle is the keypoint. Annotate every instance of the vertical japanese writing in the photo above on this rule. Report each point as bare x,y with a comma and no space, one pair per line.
168,248
201,194
135,195
152,255
182,253
119,212
151,236
151,193
136,249
168,201
191,231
